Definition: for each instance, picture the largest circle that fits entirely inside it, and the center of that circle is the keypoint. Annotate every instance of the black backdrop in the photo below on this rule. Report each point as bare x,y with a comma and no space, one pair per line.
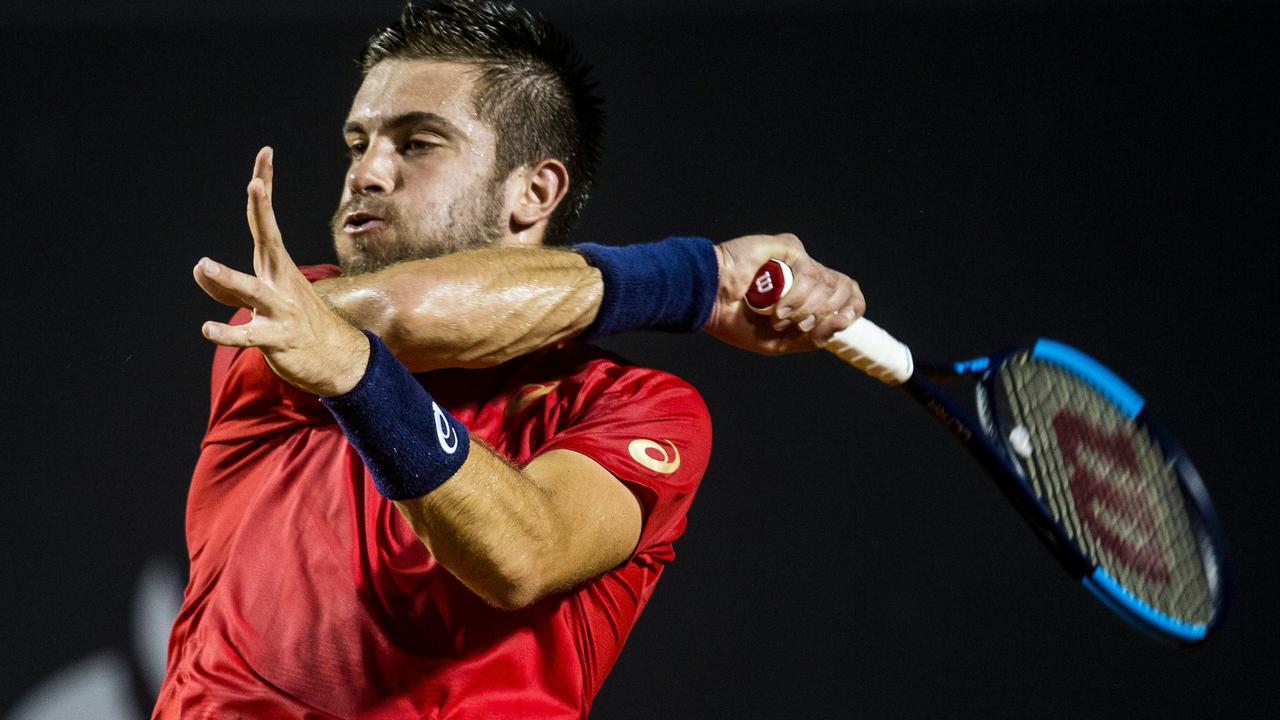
1102,173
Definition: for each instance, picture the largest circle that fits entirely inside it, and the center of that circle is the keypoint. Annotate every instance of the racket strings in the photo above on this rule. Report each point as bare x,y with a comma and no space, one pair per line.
1107,483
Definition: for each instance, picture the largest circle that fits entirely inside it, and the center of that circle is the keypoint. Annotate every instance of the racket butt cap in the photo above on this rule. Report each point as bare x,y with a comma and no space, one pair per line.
772,282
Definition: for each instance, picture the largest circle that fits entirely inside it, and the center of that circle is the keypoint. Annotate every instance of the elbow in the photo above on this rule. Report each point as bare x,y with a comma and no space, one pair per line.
414,332
401,319
516,581
427,335
513,601
513,593
501,583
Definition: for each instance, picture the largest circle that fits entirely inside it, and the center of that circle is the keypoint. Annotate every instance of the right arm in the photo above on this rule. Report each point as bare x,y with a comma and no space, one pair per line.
483,307
471,309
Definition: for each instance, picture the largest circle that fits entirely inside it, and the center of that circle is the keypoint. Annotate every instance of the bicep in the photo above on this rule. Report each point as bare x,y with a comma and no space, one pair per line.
601,516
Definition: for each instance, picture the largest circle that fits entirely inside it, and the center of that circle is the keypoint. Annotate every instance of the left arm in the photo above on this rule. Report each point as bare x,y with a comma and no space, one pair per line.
516,536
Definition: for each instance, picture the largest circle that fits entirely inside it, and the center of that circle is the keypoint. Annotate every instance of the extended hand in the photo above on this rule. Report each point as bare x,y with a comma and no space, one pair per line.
821,302
304,341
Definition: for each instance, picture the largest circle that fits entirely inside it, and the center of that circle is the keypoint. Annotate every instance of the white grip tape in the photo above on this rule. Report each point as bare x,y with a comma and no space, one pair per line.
875,352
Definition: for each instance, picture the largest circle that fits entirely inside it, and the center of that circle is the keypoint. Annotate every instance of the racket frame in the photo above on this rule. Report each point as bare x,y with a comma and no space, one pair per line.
983,438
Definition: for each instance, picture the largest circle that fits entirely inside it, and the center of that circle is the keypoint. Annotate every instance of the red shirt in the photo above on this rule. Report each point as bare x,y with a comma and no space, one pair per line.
310,596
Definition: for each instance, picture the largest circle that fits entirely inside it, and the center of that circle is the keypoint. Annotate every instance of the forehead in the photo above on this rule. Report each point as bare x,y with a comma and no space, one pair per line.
394,87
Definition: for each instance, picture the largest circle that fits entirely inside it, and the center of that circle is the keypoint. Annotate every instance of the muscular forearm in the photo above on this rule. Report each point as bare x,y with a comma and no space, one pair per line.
506,534
472,524
471,309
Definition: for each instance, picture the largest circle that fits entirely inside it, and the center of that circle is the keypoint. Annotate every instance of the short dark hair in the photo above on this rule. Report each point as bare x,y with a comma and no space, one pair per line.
533,88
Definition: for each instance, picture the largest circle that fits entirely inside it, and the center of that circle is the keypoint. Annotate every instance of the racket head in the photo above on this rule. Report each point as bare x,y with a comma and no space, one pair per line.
1125,506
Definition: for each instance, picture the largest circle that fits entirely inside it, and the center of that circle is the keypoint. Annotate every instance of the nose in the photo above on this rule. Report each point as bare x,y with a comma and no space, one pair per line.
374,172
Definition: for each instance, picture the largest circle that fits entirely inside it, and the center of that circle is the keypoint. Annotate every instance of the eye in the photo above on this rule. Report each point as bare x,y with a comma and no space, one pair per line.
356,149
420,145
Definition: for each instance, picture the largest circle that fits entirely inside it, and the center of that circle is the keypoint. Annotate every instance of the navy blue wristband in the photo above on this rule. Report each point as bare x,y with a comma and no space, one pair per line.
669,285
409,443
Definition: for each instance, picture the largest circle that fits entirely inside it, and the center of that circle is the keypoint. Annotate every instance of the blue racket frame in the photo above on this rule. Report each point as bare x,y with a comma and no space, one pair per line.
979,437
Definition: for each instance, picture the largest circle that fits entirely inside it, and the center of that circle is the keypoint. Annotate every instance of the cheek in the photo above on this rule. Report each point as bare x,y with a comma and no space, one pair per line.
428,193
445,175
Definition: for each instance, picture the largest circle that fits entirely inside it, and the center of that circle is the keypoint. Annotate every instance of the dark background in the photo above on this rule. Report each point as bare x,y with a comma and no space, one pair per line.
1101,173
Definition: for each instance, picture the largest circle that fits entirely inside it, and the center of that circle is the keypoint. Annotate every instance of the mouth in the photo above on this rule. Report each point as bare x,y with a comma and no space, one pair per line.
362,222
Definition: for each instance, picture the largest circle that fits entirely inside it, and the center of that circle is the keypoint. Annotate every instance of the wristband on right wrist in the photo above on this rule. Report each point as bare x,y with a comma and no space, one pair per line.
669,285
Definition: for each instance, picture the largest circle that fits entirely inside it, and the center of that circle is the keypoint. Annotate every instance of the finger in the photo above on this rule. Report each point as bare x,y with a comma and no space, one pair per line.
847,305
832,292
264,167
251,334
234,288
269,256
791,340
832,297
202,273
806,276
832,324
857,302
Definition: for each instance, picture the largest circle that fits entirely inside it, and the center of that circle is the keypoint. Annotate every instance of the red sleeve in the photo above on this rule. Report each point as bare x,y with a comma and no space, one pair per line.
246,398
653,432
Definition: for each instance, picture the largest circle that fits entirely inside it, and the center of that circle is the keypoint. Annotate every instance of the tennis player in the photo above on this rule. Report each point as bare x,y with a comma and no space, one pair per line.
476,540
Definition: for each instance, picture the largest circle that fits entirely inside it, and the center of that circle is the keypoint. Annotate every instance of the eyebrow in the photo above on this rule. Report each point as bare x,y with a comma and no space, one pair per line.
417,117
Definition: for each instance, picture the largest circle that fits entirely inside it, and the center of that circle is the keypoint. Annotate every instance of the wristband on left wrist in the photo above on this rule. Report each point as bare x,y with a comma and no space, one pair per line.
409,444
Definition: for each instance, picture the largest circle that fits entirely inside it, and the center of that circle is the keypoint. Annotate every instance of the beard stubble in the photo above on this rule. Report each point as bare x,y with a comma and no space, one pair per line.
474,221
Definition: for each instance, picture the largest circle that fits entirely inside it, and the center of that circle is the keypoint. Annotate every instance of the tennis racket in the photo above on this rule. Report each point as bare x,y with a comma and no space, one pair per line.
1075,450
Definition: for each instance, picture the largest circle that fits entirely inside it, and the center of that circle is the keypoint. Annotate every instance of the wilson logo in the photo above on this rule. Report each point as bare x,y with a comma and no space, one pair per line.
641,450
764,282
445,433
1106,486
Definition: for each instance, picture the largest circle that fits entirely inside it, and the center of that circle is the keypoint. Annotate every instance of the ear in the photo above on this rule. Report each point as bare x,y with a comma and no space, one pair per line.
539,190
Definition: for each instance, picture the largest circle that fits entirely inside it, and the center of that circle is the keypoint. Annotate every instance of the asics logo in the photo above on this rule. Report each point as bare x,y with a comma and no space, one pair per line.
444,431
641,449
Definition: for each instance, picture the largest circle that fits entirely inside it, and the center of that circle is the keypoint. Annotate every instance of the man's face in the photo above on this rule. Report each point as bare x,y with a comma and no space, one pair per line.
421,182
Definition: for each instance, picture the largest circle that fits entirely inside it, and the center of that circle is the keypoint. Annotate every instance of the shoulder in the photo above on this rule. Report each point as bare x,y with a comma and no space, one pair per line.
629,418
648,428
601,376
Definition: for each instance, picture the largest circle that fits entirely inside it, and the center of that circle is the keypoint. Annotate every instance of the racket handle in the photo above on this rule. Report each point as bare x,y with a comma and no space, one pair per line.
863,344
875,352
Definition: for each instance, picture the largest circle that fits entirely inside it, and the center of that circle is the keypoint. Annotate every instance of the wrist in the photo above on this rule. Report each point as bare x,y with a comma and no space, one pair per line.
669,285
723,261
351,362
409,444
